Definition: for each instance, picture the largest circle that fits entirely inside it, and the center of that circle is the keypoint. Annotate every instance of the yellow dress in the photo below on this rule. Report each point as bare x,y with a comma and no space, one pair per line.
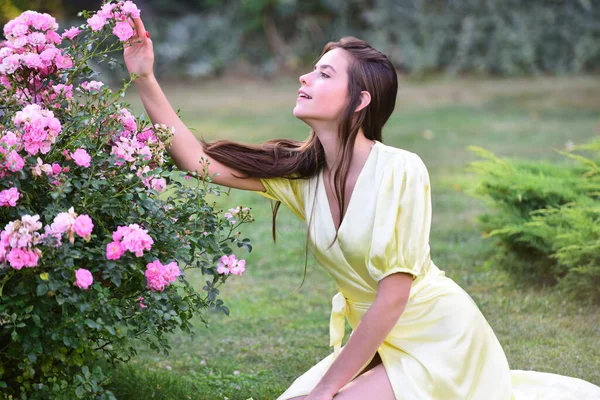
441,347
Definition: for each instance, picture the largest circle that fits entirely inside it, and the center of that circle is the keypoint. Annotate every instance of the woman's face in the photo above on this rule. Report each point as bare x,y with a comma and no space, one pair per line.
323,94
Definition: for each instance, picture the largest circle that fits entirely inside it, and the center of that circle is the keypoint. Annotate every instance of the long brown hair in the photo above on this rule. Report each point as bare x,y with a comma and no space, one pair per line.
368,70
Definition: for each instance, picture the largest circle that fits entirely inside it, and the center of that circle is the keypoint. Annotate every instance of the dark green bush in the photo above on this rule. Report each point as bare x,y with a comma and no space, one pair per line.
545,218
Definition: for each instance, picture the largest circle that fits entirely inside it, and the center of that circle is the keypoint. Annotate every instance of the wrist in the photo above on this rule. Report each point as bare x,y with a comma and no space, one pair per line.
145,79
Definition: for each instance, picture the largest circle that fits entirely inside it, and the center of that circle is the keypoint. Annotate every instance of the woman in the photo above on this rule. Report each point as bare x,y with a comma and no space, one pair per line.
416,334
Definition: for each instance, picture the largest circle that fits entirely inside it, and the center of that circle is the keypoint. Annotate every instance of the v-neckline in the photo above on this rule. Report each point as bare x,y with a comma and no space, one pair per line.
358,179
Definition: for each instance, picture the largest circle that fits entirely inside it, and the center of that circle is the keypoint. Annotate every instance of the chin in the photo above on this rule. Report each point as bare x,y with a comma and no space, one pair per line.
298,113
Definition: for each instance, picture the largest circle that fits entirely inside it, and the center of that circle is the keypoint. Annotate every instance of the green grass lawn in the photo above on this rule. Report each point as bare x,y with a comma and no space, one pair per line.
273,335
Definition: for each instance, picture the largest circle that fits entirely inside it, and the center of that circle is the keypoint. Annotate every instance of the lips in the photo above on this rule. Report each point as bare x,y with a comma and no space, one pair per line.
302,94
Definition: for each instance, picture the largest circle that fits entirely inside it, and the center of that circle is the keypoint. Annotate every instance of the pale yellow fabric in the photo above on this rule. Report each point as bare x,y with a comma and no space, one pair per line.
441,347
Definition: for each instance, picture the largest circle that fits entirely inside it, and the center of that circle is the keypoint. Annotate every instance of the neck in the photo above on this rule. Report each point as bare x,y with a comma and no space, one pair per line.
329,140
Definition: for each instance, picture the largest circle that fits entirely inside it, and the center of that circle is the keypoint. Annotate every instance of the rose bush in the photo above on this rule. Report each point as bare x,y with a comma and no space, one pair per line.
98,228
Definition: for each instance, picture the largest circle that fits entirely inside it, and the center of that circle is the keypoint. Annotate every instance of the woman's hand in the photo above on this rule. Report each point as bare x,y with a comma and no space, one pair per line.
138,52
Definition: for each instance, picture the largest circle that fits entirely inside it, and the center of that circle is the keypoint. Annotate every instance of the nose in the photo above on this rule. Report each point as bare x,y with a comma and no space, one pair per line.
304,79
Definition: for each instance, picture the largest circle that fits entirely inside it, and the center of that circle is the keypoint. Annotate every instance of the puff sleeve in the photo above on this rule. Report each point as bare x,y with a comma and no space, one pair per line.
289,191
402,221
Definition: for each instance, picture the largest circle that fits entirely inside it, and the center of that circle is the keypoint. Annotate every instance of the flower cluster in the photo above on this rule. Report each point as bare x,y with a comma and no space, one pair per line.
10,160
41,168
30,54
132,238
70,224
118,12
231,265
9,197
130,147
160,276
67,144
129,150
18,241
91,86
39,128
30,30
234,213
19,238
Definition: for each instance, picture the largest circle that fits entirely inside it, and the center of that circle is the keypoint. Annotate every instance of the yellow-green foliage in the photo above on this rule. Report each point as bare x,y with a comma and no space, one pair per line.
545,216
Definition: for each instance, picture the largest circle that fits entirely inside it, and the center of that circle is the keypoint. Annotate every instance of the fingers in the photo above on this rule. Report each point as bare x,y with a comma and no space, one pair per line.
140,35
139,27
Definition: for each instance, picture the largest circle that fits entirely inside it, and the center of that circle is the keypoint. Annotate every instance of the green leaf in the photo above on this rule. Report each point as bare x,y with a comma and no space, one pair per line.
42,289
92,324
115,277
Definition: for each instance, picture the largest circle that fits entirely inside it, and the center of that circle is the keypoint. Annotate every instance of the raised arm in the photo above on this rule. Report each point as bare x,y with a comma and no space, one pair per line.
185,149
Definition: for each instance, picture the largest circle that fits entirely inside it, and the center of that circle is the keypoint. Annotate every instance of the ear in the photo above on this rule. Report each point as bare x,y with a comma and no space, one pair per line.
365,100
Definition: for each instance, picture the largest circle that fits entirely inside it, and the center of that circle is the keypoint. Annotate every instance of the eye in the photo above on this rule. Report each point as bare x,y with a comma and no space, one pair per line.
324,75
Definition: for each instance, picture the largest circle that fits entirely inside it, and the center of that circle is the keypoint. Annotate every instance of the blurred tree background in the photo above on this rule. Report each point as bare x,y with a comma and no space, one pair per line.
270,340
483,37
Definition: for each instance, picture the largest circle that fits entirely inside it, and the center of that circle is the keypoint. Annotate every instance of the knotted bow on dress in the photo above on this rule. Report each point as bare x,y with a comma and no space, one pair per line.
339,310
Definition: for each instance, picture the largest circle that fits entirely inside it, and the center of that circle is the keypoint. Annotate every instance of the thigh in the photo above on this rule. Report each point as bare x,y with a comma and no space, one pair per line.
374,362
373,384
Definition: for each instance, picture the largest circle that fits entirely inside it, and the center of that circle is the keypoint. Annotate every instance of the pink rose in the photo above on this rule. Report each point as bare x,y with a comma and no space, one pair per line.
63,62
9,197
81,158
19,258
224,265
172,272
53,37
67,90
49,54
114,250
159,184
71,33
239,267
123,31
231,265
154,275
32,60
130,8
96,22
160,276
83,226
83,278
56,169
106,11
62,222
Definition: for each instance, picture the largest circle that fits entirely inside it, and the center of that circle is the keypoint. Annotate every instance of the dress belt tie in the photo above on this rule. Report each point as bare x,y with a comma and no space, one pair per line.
339,310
